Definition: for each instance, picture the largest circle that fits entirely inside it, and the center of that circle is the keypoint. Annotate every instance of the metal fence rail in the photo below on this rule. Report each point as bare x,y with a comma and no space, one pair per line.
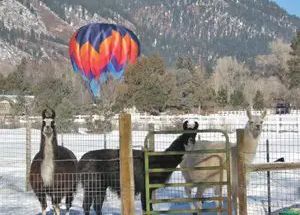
283,137
150,145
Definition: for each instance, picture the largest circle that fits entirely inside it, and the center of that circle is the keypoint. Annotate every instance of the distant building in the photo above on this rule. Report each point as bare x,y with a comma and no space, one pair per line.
283,108
5,107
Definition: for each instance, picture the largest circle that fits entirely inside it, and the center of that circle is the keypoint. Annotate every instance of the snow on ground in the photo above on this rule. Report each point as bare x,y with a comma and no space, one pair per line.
15,200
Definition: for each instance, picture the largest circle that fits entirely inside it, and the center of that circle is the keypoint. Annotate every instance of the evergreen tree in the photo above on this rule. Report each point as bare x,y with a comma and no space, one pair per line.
185,63
237,98
16,82
57,94
2,84
221,98
294,63
258,101
147,85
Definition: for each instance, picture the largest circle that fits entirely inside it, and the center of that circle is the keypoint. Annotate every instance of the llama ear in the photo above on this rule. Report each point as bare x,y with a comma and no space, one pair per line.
53,113
249,113
264,113
44,113
196,125
185,125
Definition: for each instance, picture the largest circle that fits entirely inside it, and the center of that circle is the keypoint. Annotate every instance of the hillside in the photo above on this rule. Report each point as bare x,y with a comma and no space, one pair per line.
201,29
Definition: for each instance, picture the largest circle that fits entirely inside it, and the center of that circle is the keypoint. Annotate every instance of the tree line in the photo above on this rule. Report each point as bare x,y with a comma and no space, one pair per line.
151,86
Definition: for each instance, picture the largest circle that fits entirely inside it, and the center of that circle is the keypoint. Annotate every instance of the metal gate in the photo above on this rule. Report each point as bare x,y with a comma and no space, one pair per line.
150,145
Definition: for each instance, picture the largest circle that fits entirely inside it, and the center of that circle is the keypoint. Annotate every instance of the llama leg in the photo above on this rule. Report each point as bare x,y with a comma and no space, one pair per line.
218,193
42,199
188,192
72,183
87,201
198,204
55,201
99,199
69,199
143,200
56,209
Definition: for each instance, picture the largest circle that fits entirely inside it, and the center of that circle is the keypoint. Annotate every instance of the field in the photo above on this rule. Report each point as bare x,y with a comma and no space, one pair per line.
284,142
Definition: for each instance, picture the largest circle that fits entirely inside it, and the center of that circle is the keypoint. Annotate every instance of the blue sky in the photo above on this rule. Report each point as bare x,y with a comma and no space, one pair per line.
291,6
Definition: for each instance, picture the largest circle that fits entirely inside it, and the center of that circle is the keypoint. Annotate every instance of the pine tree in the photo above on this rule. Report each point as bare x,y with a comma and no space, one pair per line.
294,63
258,100
148,86
237,98
221,98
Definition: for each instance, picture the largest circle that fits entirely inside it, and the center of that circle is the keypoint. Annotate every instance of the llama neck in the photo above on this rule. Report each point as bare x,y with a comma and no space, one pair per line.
178,144
47,167
168,161
249,146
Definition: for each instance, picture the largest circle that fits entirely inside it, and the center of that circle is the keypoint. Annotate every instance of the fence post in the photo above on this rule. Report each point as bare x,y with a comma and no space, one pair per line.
28,152
298,122
151,137
105,141
277,124
268,178
126,165
241,168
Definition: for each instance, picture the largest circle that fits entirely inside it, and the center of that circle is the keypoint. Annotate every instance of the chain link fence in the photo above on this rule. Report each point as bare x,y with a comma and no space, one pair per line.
281,132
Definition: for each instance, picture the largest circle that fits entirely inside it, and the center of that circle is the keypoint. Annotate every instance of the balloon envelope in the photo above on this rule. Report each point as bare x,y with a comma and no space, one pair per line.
99,49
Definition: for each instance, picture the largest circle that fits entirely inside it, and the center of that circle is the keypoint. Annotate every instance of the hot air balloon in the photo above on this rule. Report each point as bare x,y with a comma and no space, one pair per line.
100,50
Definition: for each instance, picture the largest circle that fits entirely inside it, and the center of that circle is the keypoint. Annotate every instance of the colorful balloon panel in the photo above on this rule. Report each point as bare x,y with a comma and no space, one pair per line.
99,49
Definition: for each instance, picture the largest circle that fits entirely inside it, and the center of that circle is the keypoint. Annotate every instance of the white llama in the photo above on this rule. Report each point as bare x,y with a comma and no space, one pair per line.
252,133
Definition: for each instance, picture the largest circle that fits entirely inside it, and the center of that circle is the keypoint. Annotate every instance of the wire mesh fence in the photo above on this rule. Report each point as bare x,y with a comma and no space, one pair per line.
281,132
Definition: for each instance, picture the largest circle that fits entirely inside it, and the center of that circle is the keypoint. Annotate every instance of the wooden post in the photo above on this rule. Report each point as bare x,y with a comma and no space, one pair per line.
241,168
268,178
234,179
126,165
151,138
28,152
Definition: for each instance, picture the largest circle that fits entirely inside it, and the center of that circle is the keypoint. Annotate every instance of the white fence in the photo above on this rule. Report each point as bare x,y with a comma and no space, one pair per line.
228,120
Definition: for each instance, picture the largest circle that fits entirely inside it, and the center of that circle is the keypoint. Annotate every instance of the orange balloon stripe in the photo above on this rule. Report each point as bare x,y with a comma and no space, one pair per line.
74,51
134,50
94,62
85,54
125,49
116,45
105,52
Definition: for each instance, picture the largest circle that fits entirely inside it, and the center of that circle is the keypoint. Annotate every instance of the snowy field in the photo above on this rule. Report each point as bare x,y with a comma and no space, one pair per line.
285,185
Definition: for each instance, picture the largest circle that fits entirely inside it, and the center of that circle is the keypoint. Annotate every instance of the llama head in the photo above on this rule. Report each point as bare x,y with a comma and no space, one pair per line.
48,126
254,124
190,125
191,137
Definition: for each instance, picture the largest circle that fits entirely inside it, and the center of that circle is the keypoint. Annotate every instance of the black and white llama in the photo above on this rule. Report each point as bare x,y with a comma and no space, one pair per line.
53,169
97,166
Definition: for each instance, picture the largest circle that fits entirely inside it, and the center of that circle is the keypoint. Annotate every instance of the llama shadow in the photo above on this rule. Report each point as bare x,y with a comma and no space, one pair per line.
284,209
76,212
206,205
63,212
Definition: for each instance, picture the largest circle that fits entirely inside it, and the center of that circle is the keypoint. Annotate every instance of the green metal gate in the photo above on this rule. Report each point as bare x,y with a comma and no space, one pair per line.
149,152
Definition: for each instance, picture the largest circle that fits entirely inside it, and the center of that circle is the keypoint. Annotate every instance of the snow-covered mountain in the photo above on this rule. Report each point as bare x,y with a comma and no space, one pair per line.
201,29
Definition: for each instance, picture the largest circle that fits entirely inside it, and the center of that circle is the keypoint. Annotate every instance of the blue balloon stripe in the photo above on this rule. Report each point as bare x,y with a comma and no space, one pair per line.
74,65
95,87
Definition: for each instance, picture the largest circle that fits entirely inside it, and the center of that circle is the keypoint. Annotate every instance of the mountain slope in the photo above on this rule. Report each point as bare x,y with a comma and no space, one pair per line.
201,29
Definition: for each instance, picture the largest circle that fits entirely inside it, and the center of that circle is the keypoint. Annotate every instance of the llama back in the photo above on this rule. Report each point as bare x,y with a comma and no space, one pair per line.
99,165
204,160
65,160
